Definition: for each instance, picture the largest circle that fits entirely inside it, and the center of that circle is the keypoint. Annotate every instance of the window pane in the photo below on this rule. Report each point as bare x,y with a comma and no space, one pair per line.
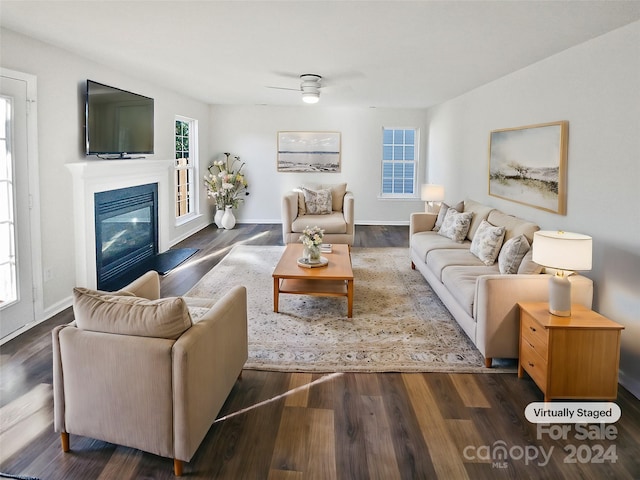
408,170
398,153
397,185
408,185
409,137
387,169
398,136
387,136
387,153
398,170
408,152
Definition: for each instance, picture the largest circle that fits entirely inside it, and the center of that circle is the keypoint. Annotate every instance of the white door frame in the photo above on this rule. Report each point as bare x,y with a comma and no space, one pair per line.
34,195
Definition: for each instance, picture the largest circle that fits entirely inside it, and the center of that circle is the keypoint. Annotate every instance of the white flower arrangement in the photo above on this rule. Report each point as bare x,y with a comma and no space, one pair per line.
312,237
225,184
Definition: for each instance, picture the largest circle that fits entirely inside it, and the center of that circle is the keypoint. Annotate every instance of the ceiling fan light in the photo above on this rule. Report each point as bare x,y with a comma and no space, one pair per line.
310,97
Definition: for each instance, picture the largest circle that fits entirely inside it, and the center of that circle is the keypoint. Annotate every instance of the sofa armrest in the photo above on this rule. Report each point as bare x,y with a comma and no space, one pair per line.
146,286
207,360
348,211
421,222
496,308
289,211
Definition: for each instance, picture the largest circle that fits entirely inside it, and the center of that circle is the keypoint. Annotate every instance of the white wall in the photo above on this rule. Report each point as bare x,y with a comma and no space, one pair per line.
251,132
61,79
596,87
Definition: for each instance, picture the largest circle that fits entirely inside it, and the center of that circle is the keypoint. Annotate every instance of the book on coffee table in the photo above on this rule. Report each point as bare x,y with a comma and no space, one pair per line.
325,248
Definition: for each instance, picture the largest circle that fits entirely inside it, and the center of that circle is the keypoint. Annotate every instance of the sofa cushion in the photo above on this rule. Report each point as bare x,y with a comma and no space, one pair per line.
455,225
438,260
515,226
512,253
331,223
480,212
486,242
317,202
461,283
528,266
443,213
423,242
127,315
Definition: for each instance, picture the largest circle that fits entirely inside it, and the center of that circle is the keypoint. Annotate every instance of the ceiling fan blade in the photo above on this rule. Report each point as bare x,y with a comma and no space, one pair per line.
283,88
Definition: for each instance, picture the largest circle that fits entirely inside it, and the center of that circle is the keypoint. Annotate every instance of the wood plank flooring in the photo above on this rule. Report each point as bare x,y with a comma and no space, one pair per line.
315,426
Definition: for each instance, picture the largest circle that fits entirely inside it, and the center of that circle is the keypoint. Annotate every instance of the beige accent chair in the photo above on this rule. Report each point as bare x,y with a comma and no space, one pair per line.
338,225
145,372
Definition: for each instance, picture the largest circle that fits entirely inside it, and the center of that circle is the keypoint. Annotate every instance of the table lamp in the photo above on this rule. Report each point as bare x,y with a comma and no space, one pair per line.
432,194
565,252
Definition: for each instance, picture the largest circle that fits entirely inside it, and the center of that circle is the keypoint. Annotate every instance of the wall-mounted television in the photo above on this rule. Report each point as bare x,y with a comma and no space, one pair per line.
117,122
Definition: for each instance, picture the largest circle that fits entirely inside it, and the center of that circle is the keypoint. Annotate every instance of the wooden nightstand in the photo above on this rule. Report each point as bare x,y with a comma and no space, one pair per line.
574,357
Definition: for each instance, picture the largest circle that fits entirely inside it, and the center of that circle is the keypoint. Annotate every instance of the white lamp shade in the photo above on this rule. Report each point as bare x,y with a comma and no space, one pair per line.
310,97
431,192
562,250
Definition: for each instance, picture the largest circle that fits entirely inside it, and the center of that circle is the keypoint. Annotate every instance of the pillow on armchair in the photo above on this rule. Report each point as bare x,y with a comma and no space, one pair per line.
317,202
129,315
338,191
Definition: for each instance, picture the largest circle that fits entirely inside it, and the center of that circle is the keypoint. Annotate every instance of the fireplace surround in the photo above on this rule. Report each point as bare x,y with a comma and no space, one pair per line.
97,176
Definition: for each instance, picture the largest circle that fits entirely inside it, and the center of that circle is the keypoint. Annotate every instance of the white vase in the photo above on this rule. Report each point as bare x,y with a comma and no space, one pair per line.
218,217
228,219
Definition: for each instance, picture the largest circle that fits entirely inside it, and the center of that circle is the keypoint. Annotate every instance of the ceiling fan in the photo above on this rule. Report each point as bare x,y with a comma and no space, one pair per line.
310,84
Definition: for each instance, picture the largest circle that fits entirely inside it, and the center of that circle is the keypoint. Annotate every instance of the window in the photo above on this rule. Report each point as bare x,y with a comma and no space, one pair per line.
8,273
400,147
186,166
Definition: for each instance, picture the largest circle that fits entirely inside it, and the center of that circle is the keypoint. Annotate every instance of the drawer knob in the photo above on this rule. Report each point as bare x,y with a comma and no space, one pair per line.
532,329
531,364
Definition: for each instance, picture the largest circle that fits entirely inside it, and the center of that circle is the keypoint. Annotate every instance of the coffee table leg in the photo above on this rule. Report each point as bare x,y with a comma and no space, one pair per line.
349,298
276,293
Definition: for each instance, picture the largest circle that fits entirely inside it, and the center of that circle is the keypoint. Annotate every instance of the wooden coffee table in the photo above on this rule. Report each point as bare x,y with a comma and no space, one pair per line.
334,280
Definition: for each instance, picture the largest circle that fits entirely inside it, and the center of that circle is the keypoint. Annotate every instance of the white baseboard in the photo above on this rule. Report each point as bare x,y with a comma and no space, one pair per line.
46,315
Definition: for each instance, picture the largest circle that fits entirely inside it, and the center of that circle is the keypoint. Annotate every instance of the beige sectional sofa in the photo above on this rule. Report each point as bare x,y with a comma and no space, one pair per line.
481,298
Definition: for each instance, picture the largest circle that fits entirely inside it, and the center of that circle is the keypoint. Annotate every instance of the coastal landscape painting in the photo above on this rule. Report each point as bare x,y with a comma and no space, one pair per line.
528,165
309,151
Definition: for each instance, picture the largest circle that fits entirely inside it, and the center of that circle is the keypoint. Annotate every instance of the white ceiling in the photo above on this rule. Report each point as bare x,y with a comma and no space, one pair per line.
378,53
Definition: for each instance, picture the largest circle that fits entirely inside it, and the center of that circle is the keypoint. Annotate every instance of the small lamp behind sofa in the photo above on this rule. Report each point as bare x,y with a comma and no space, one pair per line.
432,194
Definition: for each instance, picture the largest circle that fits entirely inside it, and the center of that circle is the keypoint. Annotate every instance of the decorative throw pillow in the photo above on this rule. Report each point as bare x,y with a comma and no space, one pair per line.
455,225
486,242
124,315
337,194
443,213
512,253
317,202
528,266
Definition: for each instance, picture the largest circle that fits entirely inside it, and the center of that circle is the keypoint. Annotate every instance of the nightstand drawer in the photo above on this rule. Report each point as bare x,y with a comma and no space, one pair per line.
534,364
537,335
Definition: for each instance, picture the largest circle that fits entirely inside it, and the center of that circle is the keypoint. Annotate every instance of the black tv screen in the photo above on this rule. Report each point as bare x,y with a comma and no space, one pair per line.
117,121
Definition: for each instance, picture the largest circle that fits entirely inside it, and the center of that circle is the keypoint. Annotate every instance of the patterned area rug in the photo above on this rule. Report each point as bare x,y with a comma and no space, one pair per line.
398,324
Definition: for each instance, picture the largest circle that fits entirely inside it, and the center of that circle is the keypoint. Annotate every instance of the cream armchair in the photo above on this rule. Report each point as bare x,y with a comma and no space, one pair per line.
138,372
338,225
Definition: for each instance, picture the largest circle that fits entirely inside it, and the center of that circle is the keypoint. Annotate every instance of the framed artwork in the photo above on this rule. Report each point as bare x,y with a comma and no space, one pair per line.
528,165
309,151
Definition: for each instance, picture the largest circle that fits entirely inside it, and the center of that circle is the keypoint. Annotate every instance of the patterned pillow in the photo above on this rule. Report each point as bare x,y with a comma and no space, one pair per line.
528,266
444,208
512,253
317,202
455,225
486,242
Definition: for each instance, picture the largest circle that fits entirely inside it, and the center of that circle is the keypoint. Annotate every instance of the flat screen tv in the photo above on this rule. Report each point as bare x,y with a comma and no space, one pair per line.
117,122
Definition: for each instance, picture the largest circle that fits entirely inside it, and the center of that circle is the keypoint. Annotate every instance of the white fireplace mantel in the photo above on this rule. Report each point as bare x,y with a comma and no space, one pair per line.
95,176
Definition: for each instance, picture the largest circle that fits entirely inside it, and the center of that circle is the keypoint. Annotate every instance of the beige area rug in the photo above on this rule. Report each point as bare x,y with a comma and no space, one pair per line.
398,324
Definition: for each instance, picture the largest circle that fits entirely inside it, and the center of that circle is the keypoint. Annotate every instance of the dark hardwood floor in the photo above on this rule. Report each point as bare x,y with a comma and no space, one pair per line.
319,426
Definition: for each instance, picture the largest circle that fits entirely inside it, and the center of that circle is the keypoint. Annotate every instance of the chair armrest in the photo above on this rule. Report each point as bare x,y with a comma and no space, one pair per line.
146,286
289,211
421,222
207,360
347,210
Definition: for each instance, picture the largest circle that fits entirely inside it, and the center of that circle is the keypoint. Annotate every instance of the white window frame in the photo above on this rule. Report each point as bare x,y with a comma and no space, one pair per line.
415,162
192,166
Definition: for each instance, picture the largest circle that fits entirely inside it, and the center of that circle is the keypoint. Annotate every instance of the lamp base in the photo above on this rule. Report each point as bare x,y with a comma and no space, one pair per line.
432,207
560,296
